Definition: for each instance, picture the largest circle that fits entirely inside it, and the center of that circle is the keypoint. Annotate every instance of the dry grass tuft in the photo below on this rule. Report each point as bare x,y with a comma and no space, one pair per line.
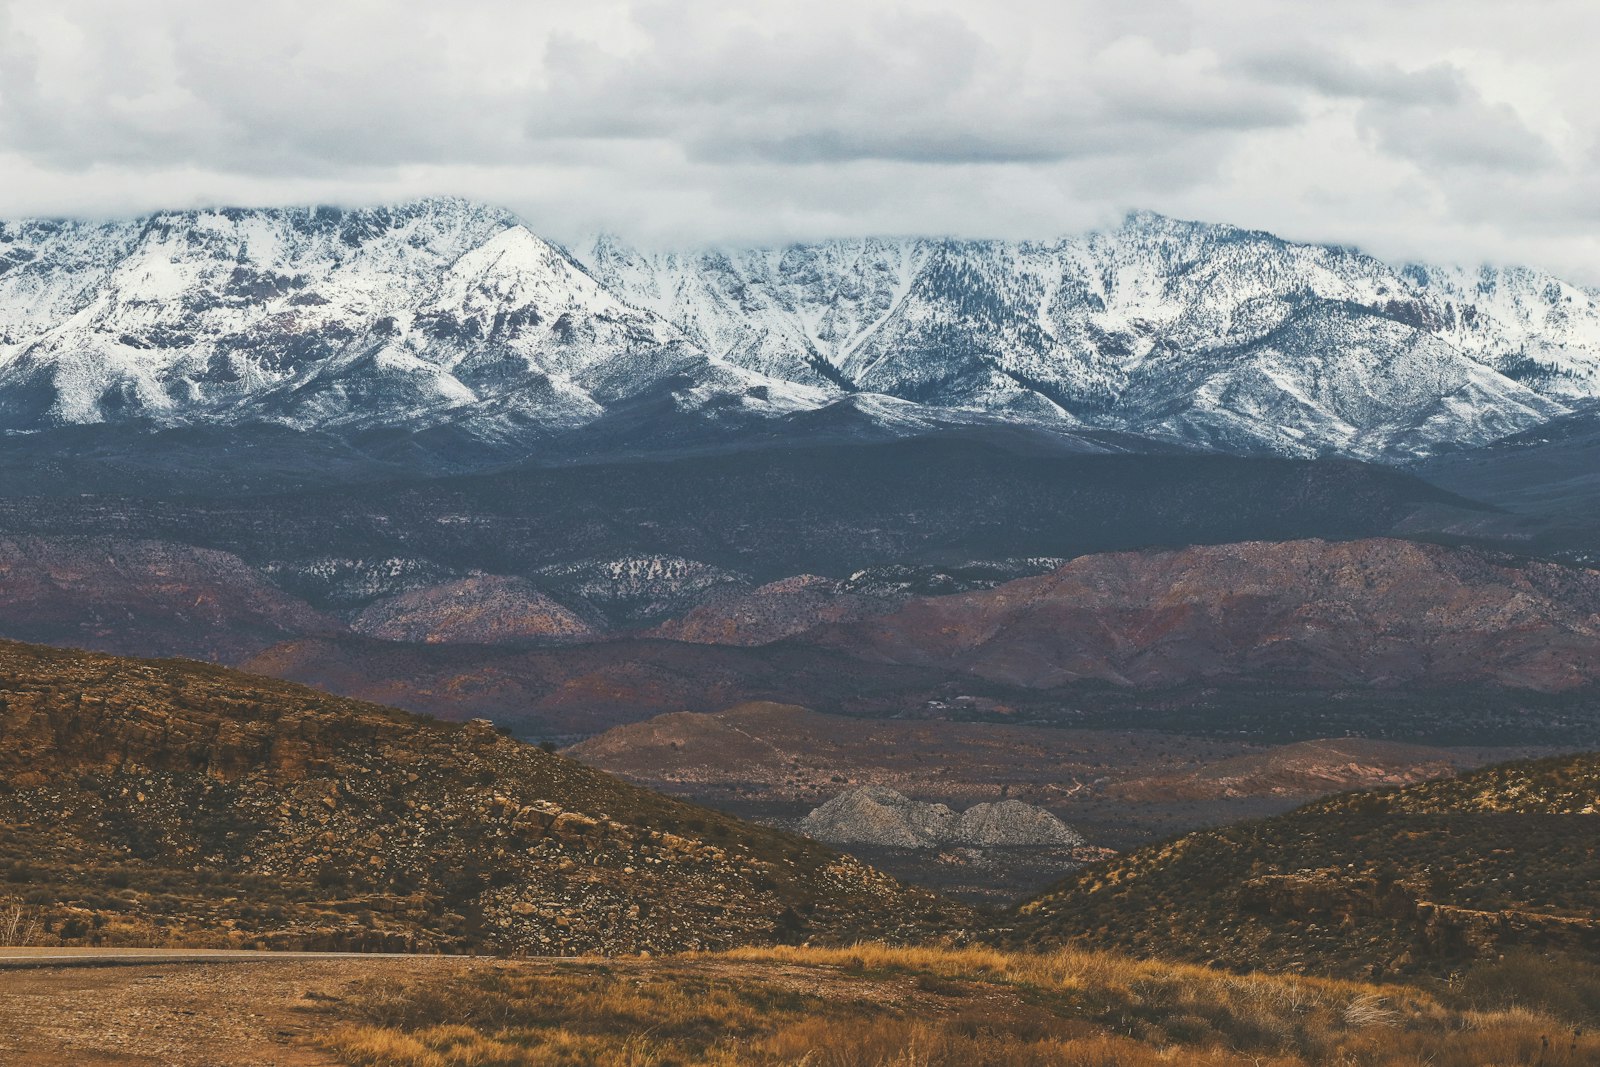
873,1005
19,926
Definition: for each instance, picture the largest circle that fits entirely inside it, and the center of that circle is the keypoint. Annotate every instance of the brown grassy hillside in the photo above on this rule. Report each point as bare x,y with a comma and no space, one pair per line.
870,1006
174,802
1416,879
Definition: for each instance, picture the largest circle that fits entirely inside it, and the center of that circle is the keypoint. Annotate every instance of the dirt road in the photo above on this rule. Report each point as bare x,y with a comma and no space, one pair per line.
186,1011
28,958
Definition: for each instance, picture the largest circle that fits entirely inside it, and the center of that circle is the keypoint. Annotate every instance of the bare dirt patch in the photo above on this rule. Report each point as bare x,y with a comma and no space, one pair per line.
266,1014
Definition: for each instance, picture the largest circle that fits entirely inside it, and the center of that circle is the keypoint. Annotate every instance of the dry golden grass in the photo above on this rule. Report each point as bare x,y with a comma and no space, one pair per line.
879,1006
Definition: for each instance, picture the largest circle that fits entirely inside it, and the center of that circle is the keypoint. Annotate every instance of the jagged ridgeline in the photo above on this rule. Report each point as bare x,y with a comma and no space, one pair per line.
169,802
1416,879
455,318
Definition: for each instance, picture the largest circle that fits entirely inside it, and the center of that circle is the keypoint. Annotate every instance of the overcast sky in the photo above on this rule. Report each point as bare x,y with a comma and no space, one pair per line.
1463,130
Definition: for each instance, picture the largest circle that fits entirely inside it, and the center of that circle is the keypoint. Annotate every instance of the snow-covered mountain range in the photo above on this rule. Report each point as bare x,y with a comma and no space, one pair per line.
438,311
446,313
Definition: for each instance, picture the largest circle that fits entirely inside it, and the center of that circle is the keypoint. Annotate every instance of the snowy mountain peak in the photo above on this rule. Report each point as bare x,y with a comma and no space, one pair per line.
310,316
1209,334
443,311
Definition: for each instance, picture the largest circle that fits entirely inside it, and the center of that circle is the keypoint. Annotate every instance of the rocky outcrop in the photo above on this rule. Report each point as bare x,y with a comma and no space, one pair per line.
1450,931
1331,894
1444,931
880,816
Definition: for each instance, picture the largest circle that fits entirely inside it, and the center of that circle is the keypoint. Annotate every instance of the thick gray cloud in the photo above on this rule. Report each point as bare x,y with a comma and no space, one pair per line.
1448,130
1433,116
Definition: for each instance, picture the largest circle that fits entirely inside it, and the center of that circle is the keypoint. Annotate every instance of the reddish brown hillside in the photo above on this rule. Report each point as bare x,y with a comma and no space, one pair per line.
774,611
584,688
779,751
485,609
148,598
1303,769
1383,613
